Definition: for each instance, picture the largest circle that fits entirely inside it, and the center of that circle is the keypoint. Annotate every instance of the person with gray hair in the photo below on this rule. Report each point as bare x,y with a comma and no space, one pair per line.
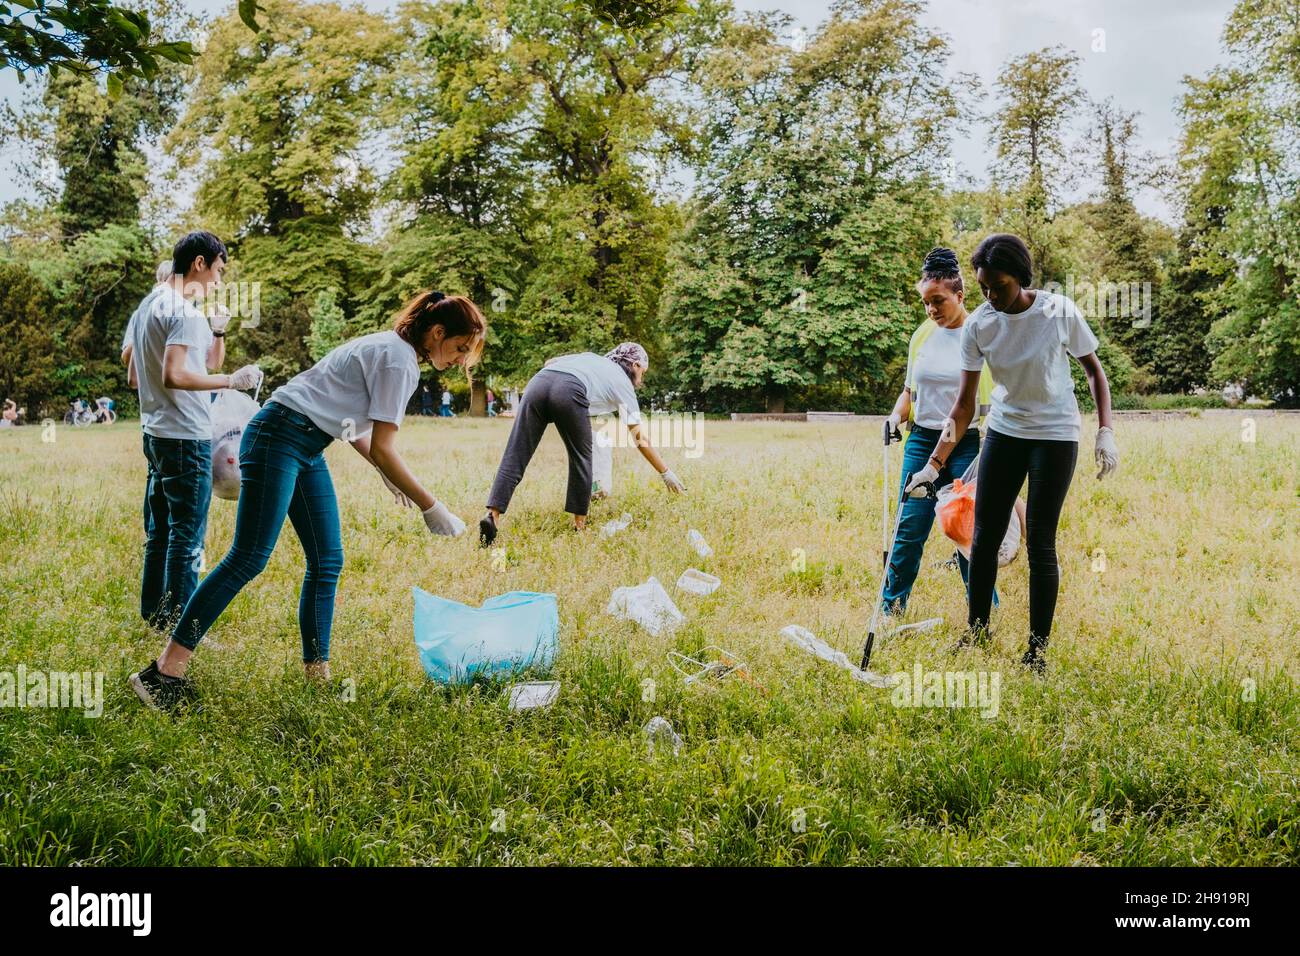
163,275
566,393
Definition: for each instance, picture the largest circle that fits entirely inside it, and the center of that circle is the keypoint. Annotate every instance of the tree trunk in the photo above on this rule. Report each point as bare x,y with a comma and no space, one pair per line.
477,396
775,400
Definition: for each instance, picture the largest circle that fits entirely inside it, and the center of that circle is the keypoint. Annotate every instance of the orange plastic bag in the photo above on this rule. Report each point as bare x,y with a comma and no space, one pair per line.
956,511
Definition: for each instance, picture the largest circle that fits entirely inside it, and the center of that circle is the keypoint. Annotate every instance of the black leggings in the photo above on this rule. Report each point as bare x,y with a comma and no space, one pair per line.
1004,463
550,398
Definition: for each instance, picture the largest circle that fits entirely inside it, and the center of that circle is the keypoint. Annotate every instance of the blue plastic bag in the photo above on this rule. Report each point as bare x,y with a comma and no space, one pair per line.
508,634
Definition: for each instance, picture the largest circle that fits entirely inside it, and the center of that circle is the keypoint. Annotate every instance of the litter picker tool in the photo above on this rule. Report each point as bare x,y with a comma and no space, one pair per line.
924,490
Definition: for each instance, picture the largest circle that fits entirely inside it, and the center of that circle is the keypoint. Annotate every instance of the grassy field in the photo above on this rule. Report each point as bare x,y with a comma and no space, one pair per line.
1165,732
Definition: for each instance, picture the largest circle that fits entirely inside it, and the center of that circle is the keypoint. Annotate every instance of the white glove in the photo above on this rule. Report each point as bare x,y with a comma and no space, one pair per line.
398,496
928,473
1106,452
673,482
219,319
250,376
892,424
441,521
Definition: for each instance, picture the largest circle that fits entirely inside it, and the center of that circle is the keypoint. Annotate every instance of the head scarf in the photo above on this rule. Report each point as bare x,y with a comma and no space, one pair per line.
629,353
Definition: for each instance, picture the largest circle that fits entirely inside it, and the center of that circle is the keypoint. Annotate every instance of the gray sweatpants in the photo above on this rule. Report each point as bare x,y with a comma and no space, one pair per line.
560,399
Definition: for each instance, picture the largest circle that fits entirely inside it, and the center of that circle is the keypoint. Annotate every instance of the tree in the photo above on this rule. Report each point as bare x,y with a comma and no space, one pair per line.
1126,254
276,124
1237,153
607,110
467,197
815,209
27,365
88,36
1040,97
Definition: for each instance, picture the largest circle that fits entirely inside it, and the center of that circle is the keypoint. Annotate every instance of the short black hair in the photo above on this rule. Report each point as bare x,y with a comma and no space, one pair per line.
1005,253
193,245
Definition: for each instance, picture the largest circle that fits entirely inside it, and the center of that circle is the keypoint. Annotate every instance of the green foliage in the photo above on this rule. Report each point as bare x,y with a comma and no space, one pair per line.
328,325
797,265
27,361
83,36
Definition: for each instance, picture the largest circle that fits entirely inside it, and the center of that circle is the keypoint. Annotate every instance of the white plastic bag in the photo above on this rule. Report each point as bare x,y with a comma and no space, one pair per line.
695,581
611,528
803,638
647,604
231,413
698,543
602,459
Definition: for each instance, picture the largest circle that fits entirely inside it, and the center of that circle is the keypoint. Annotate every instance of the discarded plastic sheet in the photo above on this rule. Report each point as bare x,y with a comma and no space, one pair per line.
694,581
660,735
509,633
804,638
533,694
698,543
927,625
611,528
647,604
697,671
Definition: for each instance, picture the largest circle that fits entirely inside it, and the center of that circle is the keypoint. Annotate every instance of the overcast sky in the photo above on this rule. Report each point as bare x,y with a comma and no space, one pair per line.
1149,46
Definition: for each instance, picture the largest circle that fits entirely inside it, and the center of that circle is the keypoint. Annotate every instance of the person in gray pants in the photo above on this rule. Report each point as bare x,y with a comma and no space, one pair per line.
567,393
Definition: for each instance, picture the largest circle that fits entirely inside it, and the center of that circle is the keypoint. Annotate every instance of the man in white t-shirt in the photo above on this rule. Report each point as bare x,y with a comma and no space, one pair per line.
173,352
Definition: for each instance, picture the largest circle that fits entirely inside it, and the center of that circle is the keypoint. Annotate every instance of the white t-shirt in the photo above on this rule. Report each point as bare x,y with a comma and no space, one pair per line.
369,379
608,388
1029,357
165,318
935,379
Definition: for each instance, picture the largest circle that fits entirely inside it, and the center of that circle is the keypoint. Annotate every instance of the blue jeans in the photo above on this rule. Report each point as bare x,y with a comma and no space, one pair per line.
918,513
282,472
176,499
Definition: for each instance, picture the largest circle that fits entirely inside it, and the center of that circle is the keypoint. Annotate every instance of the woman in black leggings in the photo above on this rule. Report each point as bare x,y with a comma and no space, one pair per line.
1027,337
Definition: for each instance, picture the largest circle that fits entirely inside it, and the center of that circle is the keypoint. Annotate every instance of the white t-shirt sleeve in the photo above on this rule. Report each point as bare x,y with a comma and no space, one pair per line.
972,359
1079,338
390,389
629,408
188,328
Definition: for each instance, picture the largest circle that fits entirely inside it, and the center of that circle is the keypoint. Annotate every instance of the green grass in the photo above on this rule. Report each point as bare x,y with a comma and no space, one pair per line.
1143,745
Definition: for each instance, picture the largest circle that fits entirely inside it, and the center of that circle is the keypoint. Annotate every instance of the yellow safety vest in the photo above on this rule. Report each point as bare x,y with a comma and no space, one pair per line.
923,332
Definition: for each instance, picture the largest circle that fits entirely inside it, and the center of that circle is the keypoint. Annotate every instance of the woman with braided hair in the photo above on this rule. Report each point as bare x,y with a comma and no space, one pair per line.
929,388
1027,337
566,393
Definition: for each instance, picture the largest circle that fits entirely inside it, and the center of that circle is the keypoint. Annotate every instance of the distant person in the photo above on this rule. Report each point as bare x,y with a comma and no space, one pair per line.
491,404
445,411
9,417
358,392
566,393
162,275
1027,337
174,353
426,400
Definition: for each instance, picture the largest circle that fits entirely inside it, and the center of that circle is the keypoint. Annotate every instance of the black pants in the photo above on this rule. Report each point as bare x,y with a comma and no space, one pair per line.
556,398
1004,464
